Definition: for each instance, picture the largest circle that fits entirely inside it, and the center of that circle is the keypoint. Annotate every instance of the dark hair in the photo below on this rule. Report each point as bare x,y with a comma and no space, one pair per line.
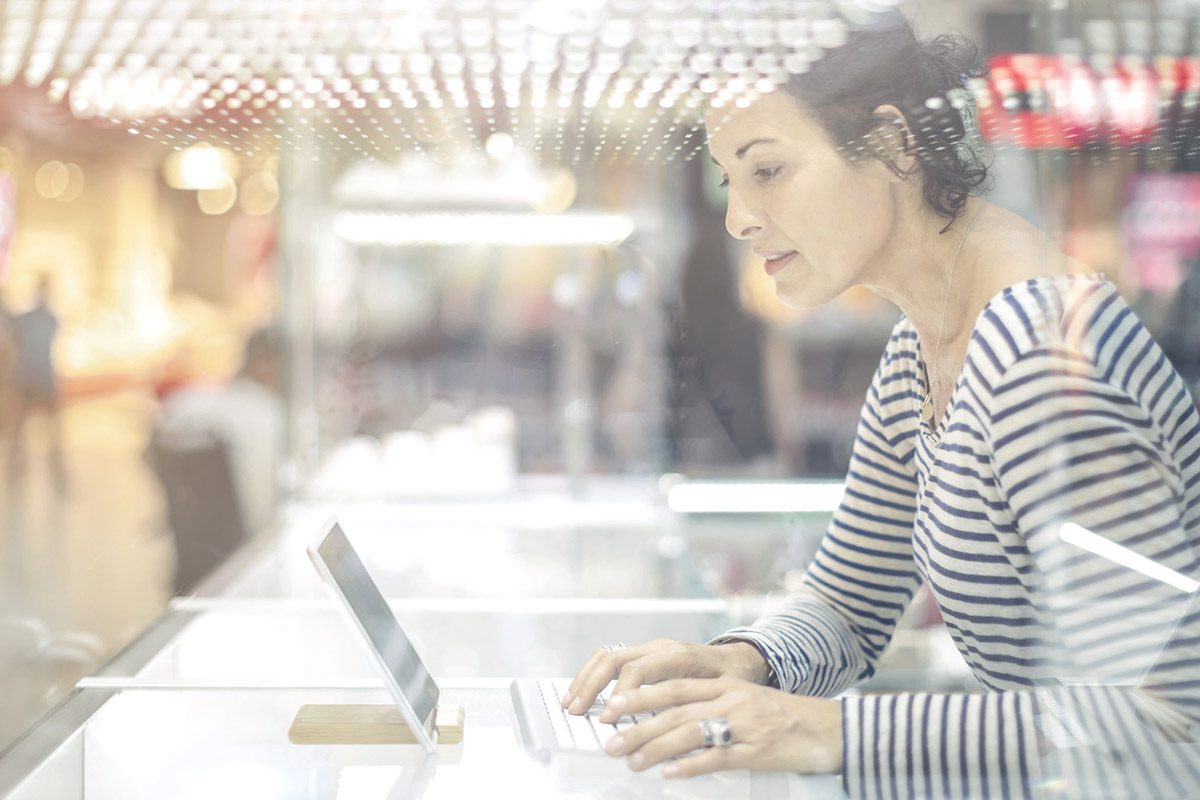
925,80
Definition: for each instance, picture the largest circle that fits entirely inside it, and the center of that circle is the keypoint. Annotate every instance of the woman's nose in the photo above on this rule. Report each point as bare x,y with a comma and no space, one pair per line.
739,221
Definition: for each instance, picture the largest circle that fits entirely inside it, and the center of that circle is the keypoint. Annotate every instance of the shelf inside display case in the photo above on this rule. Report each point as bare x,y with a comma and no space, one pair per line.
618,543
302,641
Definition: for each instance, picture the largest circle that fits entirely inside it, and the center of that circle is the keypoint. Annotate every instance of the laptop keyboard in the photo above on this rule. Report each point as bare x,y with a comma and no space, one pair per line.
586,732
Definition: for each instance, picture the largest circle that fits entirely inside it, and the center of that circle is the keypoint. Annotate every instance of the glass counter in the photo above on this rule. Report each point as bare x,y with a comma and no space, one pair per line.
524,586
141,743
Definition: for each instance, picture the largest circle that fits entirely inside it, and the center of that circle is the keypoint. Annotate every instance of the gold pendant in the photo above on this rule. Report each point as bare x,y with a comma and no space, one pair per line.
927,409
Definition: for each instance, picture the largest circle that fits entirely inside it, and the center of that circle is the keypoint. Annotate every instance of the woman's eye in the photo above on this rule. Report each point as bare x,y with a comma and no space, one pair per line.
724,182
767,173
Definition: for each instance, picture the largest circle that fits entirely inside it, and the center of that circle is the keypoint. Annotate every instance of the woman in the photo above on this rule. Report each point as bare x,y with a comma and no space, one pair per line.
1019,409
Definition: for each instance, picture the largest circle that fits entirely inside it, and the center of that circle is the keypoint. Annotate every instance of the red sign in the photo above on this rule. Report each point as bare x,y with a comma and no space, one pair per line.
1161,224
1049,101
8,218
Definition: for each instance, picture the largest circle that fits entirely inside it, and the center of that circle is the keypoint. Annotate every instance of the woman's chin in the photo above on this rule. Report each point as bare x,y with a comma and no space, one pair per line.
799,295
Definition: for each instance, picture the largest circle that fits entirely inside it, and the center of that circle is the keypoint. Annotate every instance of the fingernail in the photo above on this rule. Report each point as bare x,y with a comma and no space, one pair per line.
618,703
670,770
576,706
568,698
615,745
636,760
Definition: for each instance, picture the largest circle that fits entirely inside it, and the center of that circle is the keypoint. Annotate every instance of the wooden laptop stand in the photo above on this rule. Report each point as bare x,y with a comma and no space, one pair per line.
369,725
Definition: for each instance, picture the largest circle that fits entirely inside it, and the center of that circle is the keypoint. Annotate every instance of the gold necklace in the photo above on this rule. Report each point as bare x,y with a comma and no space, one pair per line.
927,406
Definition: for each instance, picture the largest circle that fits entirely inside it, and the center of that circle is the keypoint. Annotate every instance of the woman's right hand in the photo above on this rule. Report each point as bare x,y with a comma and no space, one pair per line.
659,660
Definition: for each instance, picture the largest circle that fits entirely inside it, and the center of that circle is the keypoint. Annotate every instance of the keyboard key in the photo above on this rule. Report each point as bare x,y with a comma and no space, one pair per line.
583,733
604,732
558,718
586,732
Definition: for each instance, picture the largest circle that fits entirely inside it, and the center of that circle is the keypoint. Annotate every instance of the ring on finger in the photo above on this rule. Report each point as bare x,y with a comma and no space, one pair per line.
716,733
609,648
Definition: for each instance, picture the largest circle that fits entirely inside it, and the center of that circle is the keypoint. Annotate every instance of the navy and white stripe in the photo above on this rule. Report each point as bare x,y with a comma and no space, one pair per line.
1066,411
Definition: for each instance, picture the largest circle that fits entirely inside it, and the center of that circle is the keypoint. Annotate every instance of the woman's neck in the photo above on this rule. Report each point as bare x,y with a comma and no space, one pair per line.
927,272
941,281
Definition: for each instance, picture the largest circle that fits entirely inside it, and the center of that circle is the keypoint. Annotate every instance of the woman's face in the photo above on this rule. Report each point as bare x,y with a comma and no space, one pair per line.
819,222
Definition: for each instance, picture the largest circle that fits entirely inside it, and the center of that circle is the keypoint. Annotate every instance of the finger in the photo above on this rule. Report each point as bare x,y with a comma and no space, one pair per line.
650,669
671,660
713,759
667,694
597,672
587,683
679,739
581,676
636,736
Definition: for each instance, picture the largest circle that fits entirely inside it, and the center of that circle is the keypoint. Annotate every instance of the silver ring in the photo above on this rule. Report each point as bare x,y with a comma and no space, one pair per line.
716,732
609,648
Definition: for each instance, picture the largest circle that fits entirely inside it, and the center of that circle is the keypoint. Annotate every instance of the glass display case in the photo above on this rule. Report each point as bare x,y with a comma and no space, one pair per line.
149,743
201,701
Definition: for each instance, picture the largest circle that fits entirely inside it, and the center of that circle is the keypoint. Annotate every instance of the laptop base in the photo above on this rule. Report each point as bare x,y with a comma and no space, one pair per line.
369,724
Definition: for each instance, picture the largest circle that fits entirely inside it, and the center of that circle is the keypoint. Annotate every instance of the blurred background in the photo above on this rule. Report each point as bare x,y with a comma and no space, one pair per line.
259,256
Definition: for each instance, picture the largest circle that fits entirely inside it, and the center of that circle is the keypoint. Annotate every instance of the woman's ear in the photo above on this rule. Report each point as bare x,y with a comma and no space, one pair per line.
891,141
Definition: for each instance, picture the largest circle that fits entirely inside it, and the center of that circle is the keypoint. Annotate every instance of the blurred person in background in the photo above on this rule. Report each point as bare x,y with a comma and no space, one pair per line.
8,361
1024,449
35,383
1180,338
247,414
716,386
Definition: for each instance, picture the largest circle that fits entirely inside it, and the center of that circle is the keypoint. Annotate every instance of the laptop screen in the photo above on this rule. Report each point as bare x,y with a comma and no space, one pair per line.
376,620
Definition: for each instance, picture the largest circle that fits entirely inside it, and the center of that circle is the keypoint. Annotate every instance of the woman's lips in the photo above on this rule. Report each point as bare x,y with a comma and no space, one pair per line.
773,266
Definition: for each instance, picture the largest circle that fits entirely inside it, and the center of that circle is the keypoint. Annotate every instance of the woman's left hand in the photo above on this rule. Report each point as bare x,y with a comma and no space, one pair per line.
771,730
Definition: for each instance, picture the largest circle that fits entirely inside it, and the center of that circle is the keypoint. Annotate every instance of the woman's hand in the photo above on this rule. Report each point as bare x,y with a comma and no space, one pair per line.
771,730
661,660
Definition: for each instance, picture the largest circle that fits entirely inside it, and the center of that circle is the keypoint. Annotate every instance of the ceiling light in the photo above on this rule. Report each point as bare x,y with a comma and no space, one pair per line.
520,230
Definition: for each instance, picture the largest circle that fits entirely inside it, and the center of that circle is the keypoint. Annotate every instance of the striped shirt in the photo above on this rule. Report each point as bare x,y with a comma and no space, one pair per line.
1067,432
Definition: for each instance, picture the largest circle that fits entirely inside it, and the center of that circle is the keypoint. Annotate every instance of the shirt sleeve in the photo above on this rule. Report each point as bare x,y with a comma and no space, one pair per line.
1091,459
1094,483
829,634
939,745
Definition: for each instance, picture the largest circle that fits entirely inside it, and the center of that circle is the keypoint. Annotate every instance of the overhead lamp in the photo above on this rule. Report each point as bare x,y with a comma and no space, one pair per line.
200,166
701,497
651,52
74,183
503,230
218,199
51,179
259,194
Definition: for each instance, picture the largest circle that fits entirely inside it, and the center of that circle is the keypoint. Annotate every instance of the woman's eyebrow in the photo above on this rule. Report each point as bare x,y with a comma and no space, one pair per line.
741,151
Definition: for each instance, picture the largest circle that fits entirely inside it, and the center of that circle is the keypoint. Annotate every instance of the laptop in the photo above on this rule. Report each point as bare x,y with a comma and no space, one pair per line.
407,678
544,728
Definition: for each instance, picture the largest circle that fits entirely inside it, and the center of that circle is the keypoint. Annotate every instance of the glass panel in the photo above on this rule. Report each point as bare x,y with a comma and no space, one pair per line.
497,639
60,776
205,743
541,544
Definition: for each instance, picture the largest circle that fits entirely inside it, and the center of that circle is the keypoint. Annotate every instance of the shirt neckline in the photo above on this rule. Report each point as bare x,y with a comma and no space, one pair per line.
935,434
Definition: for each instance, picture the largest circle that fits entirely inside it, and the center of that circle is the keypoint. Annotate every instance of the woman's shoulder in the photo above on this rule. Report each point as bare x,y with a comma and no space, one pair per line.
1076,314
1077,323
